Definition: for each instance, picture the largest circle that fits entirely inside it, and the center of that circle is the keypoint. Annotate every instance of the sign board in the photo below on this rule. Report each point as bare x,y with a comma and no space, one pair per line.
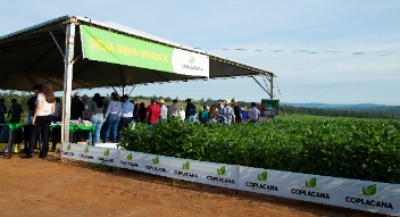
105,46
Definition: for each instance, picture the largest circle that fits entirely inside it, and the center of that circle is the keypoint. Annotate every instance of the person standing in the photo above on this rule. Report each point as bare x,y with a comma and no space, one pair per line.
96,109
77,107
174,110
254,113
237,111
77,112
227,114
58,112
112,117
190,111
142,113
3,111
182,114
203,116
164,110
127,114
212,115
15,112
42,119
153,113
31,106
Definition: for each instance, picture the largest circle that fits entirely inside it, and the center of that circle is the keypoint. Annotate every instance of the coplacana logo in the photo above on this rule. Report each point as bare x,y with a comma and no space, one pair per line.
105,157
128,161
312,191
220,177
86,153
185,171
186,166
154,166
260,183
368,198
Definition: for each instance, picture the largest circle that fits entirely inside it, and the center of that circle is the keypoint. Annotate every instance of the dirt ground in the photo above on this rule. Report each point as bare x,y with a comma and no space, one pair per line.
37,187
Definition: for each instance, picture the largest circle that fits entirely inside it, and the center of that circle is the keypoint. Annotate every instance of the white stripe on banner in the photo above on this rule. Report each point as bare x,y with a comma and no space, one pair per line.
368,196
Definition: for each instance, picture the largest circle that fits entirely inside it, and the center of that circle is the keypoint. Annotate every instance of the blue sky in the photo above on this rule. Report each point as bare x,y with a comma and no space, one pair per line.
327,51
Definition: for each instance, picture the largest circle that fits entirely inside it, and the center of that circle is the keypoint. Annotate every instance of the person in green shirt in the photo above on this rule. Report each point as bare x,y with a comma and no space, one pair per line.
15,112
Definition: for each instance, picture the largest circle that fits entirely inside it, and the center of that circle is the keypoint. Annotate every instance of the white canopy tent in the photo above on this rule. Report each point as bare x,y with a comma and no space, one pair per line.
50,52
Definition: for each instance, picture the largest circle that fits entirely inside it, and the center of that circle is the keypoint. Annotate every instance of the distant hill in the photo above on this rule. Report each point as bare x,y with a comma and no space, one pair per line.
340,106
349,110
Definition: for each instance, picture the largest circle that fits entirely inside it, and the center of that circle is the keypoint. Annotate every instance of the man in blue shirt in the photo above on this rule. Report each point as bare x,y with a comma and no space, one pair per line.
190,111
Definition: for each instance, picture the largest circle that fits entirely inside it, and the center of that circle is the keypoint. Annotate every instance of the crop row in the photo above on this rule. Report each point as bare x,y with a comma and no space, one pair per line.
341,148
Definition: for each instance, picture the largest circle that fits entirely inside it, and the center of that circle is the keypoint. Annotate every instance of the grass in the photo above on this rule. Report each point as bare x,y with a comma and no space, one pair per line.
323,118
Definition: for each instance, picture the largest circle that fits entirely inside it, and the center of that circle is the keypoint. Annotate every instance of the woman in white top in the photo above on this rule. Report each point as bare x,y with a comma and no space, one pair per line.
42,119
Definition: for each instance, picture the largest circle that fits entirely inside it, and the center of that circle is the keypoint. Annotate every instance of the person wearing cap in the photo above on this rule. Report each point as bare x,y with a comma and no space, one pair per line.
227,114
153,113
174,110
112,117
77,107
237,111
164,110
190,111
126,115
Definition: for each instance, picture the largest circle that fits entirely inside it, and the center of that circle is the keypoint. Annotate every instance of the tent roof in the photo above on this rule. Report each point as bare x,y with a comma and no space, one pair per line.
31,56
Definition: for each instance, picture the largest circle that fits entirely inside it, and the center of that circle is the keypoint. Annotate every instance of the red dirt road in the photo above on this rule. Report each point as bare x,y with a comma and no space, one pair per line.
36,187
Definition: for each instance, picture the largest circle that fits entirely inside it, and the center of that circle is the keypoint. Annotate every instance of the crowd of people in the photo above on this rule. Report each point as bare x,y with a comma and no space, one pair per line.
109,117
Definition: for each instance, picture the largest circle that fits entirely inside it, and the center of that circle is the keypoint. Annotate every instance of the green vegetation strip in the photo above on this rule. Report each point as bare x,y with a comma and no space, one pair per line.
366,150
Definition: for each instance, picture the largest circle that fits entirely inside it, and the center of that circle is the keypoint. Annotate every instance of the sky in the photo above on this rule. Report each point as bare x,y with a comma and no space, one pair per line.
323,51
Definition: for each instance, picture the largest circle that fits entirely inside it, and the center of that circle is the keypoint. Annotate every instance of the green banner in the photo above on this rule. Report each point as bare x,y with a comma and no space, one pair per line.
106,46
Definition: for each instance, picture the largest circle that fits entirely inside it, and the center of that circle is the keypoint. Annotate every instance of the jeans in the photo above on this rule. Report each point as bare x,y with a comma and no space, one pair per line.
124,122
43,123
112,122
191,118
97,122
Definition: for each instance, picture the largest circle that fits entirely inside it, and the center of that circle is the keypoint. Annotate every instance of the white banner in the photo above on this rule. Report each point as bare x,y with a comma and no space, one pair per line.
189,170
189,63
91,154
355,194
362,195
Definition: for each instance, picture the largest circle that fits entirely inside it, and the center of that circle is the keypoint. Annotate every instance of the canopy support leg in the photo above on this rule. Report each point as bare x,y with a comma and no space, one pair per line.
133,87
68,73
270,90
56,43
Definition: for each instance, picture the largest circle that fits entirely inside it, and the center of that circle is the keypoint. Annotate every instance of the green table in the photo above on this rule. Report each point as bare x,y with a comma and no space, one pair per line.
74,128
12,128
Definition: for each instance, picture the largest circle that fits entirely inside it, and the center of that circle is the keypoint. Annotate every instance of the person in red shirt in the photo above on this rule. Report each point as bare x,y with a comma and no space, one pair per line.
153,113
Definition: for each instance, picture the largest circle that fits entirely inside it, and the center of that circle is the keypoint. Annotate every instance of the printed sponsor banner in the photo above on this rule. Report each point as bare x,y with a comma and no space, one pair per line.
361,195
142,162
355,194
189,170
90,154
106,46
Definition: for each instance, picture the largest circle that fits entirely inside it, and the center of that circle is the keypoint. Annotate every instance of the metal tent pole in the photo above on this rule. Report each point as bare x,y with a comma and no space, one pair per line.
271,92
68,73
